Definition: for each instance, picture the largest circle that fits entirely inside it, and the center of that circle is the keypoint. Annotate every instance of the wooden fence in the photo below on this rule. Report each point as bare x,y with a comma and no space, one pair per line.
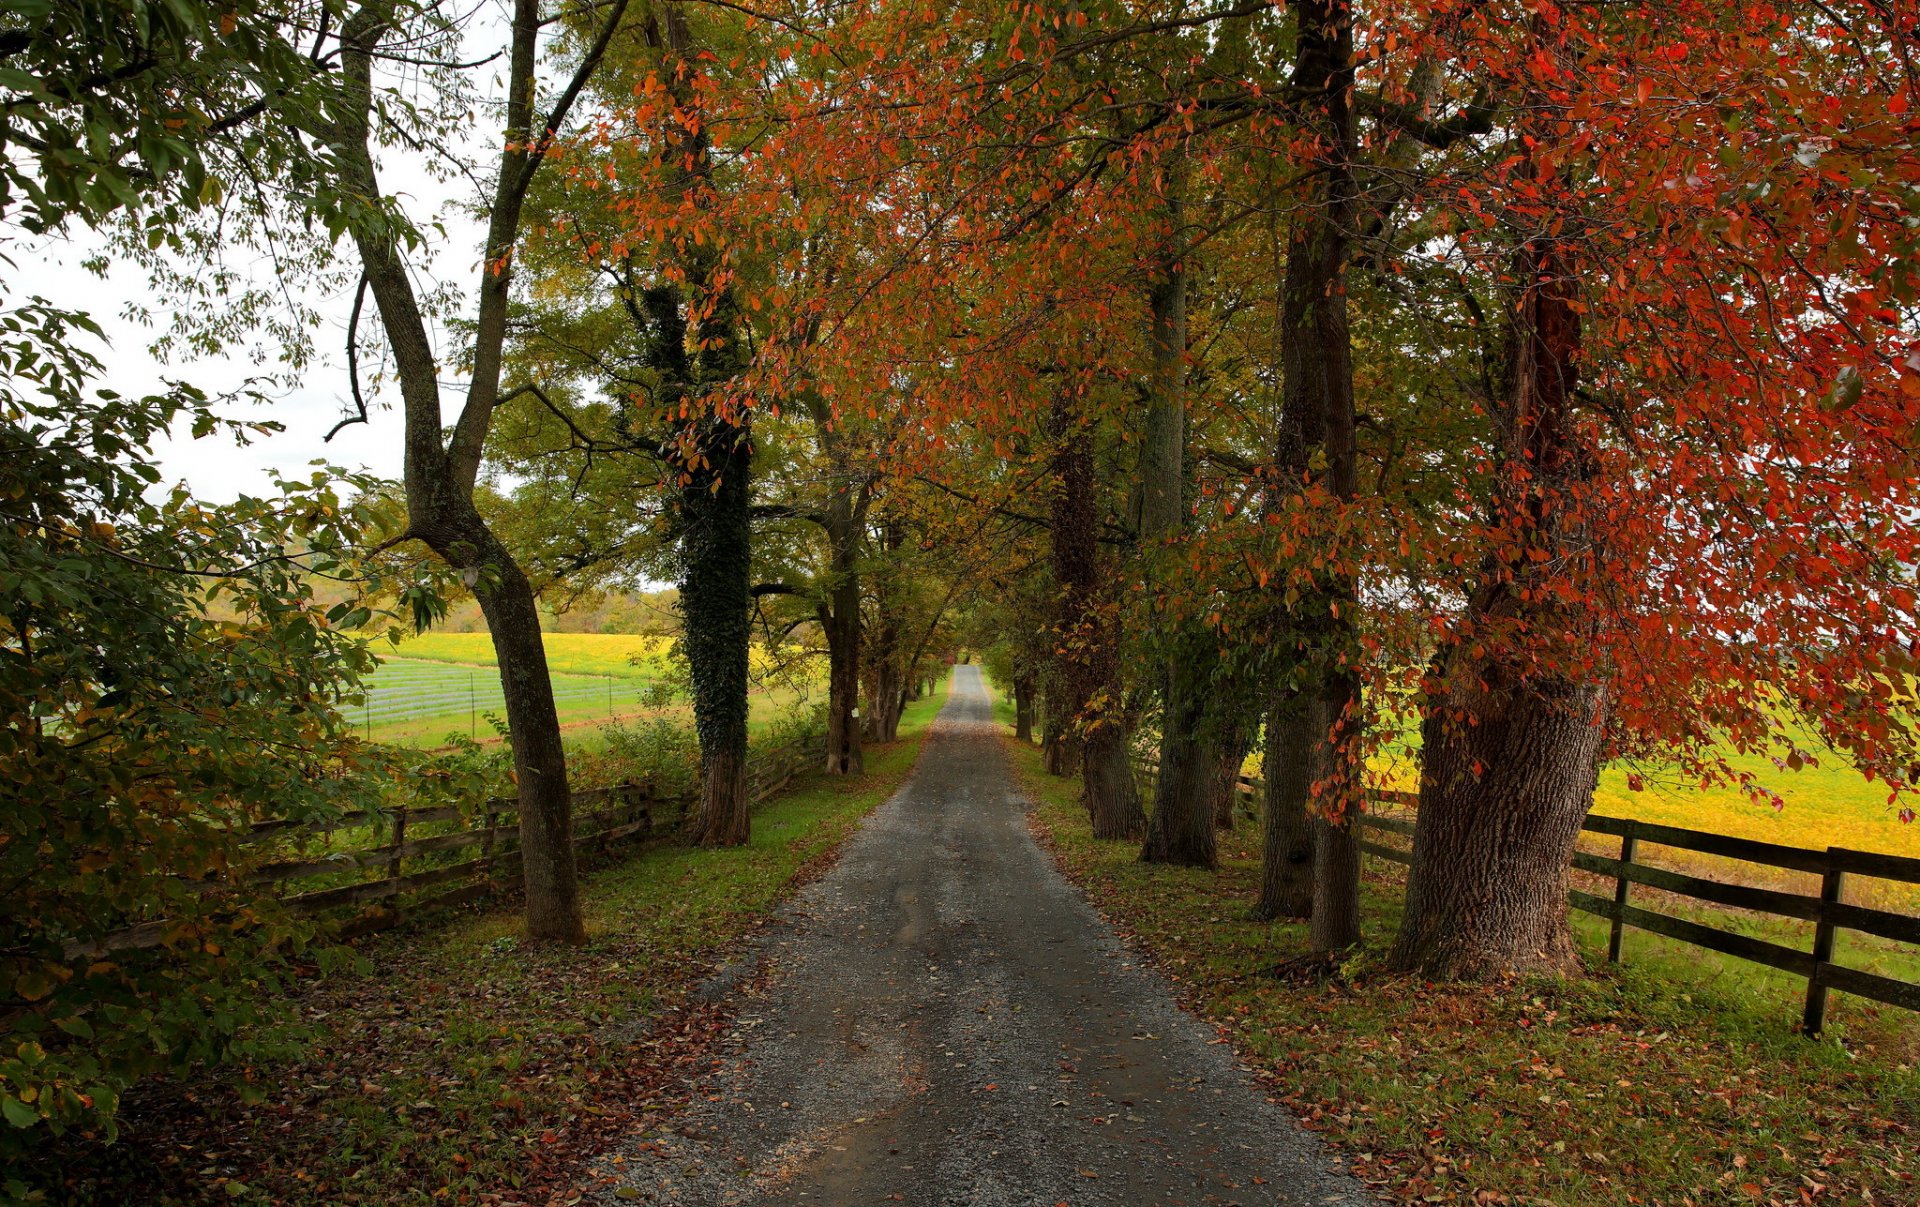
1828,911
417,864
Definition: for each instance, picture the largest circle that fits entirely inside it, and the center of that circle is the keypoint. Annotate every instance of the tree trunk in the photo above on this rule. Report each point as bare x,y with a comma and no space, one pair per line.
1226,755
1335,922
840,621
889,701
1340,797
1295,727
841,625
1107,787
1078,628
716,607
1510,743
1180,830
1085,664
1023,708
1318,417
539,757
886,678
1505,783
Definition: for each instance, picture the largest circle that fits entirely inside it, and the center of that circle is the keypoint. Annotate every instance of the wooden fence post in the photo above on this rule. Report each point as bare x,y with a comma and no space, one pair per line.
1832,882
1628,845
393,860
492,817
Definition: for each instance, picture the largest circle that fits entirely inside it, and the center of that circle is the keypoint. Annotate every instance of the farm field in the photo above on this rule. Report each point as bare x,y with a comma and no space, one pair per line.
441,684
628,655
1826,803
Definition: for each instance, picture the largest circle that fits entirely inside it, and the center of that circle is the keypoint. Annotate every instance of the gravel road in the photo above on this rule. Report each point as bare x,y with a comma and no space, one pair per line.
945,1021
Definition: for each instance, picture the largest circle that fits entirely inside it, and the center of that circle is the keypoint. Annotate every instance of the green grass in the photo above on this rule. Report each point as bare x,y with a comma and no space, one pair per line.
461,1061
1676,1079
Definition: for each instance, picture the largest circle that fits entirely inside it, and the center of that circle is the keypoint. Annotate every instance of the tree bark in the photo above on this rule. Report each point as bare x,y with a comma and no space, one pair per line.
1181,829
1335,924
840,622
886,695
1510,743
1296,726
1504,787
1226,755
1023,708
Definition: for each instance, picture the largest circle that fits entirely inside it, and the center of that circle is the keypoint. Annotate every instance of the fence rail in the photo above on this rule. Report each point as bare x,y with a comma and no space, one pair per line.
1828,911
488,858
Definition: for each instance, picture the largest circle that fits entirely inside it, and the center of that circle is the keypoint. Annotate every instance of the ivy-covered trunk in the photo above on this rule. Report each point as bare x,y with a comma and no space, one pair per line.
716,612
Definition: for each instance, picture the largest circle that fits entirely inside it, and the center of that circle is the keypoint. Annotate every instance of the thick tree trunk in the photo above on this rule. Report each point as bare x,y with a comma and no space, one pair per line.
886,676
1078,628
1107,787
1023,708
1510,744
1086,658
841,623
840,617
1180,828
1335,922
1296,726
1059,747
1506,780
889,701
716,608
1340,798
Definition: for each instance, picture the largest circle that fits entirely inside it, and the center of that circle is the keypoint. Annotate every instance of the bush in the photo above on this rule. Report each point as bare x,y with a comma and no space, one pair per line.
659,753
167,680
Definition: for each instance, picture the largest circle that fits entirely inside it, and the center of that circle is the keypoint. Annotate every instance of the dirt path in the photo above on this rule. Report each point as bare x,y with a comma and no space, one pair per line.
946,1022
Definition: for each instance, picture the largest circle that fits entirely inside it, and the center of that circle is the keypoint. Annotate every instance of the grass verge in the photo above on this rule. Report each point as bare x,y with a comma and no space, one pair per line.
1630,1086
460,1066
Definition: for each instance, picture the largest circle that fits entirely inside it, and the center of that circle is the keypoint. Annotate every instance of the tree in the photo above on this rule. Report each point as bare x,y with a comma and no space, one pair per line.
441,469
1652,391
